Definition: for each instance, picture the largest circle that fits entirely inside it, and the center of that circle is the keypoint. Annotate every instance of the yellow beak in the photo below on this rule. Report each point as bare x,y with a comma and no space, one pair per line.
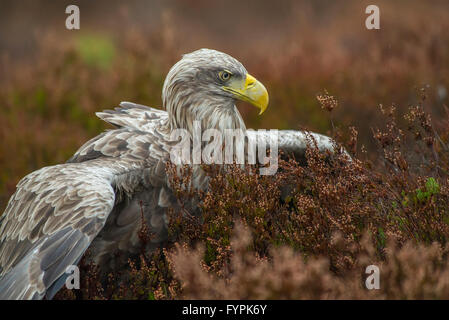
249,90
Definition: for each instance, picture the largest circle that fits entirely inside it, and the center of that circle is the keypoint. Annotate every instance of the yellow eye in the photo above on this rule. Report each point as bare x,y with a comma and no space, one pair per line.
225,75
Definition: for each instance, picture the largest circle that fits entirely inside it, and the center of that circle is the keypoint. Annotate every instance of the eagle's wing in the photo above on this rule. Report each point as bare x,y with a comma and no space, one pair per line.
56,212
291,142
295,143
48,224
135,116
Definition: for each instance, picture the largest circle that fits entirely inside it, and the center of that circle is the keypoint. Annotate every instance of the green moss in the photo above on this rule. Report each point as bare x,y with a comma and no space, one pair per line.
96,50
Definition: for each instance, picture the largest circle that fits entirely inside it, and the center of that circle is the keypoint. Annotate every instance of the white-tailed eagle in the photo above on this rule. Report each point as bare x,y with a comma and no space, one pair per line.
95,199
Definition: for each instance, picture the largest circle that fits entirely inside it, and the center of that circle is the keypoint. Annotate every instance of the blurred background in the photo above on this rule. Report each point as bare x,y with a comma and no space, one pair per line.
53,80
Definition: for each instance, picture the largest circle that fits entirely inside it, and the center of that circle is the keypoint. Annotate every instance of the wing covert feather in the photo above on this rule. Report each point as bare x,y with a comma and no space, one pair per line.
48,224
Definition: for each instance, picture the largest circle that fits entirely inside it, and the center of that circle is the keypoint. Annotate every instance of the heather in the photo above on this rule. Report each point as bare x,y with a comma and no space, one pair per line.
307,232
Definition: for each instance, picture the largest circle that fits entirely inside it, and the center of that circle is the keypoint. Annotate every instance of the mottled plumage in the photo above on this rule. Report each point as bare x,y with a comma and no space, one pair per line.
95,200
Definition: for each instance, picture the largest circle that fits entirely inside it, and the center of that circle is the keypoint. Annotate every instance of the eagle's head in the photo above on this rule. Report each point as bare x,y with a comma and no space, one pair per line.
204,86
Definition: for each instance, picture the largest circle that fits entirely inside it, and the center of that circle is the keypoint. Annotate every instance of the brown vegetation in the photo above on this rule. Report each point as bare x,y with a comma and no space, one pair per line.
310,232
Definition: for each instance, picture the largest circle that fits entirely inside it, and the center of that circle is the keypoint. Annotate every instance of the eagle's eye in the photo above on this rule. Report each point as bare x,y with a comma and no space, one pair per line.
224,75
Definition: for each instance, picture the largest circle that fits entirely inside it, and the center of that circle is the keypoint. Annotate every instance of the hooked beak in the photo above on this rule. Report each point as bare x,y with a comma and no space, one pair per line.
249,90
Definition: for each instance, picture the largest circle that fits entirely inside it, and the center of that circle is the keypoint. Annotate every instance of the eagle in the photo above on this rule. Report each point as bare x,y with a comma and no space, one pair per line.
96,199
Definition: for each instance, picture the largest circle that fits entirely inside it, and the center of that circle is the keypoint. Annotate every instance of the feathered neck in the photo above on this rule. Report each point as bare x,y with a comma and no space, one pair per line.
214,112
